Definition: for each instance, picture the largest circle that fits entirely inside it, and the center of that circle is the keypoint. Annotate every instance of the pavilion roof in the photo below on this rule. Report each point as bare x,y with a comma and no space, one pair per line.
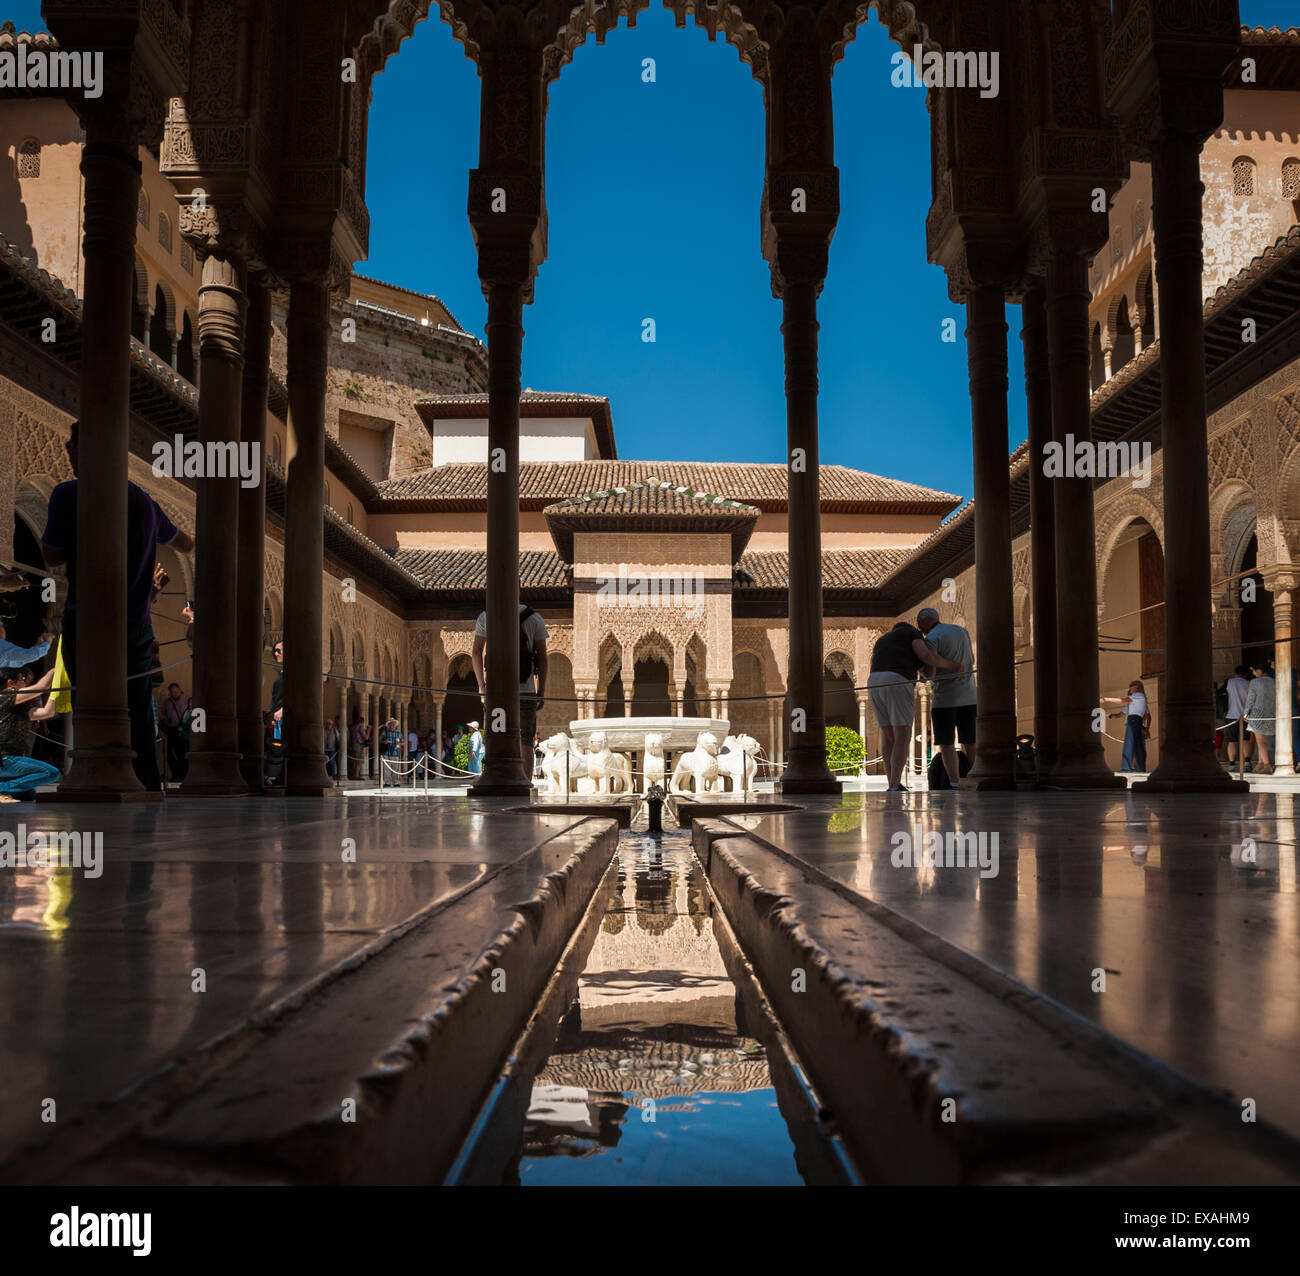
764,485
653,505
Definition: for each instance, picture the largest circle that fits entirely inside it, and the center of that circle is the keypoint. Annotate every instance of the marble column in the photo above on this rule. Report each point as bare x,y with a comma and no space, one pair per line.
437,723
808,771
1187,759
344,735
304,538
1283,663
503,771
986,340
101,762
1042,524
250,546
862,721
1080,760
372,761
214,753
681,703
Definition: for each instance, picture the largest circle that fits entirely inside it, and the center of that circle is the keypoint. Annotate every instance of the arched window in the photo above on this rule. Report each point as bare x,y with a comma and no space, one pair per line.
328,499
1117,247
187,257
276,454
1291,179
164,232
29,158
142,208
1139,221
1243,176
350,519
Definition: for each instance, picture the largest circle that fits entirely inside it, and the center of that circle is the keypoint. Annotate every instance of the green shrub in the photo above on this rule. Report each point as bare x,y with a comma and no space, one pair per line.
460,757
845,750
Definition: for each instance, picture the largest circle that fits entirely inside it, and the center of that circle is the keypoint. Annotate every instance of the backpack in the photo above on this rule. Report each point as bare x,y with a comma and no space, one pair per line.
526,661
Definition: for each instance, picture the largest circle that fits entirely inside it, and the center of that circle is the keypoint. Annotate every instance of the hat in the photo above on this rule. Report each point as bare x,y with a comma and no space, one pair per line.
474,725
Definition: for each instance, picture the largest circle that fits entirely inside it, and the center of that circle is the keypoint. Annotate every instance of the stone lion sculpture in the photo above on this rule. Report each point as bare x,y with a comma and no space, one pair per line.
653,760
610,772
554,751
736,762
698,767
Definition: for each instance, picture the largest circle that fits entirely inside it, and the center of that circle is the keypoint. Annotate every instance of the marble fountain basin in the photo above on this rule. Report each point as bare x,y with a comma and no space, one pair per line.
625,735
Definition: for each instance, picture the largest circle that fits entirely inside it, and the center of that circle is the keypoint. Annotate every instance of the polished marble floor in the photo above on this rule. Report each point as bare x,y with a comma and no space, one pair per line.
1186,905
99,966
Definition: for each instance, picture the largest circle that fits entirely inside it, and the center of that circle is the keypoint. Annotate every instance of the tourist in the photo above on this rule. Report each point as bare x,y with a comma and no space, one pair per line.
953,705
476,750
1238,690
390,740
14,657
174,719
896,659
414,750
532,658
360,743
331,746
147,528
20,774
1260,708
1137,727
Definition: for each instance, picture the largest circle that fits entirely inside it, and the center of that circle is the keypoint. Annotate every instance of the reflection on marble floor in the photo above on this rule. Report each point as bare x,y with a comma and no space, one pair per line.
99,979
1186,905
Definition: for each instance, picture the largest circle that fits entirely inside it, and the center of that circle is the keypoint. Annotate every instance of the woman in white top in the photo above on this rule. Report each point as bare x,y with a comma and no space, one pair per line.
1136,730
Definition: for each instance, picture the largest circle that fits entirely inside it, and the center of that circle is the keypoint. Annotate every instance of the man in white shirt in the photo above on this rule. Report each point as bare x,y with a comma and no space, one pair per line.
532,658
1138,720
953,707
1238,690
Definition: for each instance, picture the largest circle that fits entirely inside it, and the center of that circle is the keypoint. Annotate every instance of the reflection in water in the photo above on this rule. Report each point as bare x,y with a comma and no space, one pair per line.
653,1078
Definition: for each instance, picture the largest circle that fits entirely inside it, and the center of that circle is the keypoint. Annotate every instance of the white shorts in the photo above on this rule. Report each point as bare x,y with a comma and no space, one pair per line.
893,699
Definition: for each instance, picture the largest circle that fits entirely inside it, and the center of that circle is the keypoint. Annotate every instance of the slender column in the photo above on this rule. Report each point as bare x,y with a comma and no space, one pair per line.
101,762
250,549
503,771
681,702
862,721
214,753
1080,760
986,337
437,729
1107,356
304,538
1042,519
808,771
1283,613
372,709
344,736
1187,760
627,704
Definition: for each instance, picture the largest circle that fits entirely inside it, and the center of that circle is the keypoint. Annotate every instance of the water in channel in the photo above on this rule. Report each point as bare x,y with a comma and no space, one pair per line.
653,1078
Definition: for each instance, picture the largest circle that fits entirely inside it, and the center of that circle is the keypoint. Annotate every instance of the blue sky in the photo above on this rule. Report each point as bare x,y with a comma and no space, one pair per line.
653,203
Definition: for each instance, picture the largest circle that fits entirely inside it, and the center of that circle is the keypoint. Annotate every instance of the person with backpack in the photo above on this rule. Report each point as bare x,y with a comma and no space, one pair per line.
532,661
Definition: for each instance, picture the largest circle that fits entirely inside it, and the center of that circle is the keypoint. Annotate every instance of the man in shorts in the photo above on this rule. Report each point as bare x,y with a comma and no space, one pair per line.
532,658
952,707
896,659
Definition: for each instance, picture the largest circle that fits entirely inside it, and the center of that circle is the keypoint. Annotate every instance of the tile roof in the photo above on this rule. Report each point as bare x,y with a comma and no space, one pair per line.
465,570
541,483
761,570
458,570
654,496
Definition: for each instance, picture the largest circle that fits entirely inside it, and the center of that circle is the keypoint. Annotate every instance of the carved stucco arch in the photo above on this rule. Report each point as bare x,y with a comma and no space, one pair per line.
1114,519
654,645
1239,525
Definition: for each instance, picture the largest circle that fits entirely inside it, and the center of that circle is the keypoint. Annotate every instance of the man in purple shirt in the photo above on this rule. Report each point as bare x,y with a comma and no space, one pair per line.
147,527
